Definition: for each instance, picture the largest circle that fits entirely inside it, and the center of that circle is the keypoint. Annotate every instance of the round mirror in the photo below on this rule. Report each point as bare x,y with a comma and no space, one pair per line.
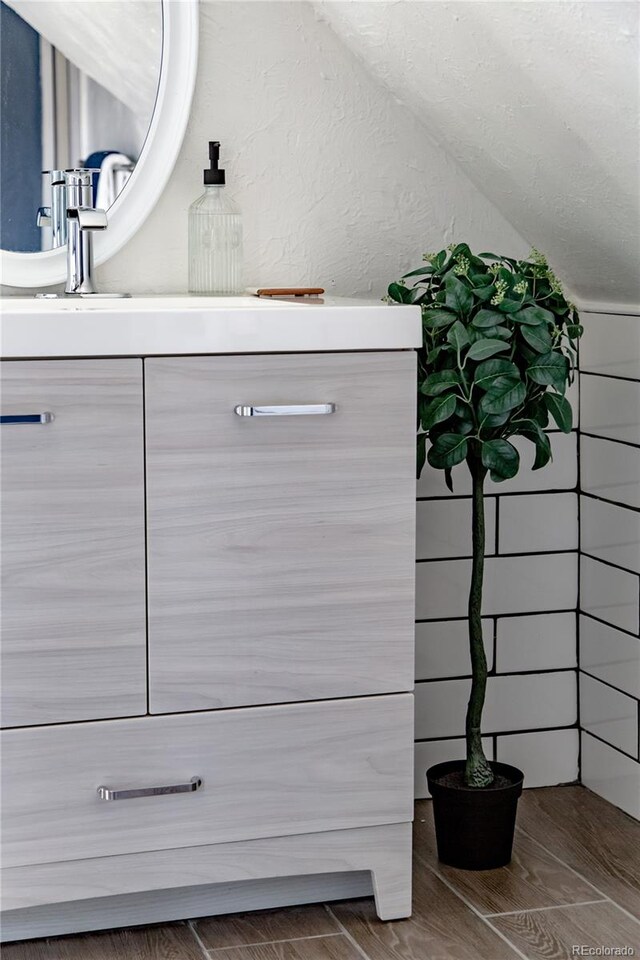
105,86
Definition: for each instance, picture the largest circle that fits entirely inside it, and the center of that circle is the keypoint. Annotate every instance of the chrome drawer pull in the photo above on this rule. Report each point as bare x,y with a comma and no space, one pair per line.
45,417
107,793
295,410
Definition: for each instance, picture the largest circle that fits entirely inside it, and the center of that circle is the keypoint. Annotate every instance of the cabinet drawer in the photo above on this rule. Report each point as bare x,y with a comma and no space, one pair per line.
73,605
281,545
267,771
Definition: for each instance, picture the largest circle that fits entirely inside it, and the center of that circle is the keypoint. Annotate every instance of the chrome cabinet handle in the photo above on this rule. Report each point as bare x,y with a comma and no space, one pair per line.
108,793
45,417
294,410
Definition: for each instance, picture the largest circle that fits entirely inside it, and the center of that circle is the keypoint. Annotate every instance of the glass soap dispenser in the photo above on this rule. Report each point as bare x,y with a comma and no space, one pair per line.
215,235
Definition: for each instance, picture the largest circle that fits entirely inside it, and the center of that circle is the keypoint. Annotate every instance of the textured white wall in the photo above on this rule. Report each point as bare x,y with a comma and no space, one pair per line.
338,182
538,103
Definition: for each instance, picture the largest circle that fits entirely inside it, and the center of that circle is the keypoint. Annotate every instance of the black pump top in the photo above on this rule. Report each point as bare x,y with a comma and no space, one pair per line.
213,175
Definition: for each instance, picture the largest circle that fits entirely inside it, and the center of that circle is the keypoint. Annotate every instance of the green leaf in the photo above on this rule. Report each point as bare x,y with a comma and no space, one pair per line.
436,319
482,349
575,330
487,372
550,368
534,433
501,458
420,272
438,410
485,291
421,453
499,333
399,293
458,295
458,336
538,337
510,306
439,382
532,316
491,421
504,394
448,450
560,409
486,318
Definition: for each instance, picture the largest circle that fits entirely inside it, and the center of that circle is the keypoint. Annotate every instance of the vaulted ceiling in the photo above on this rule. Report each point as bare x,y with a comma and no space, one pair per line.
538,102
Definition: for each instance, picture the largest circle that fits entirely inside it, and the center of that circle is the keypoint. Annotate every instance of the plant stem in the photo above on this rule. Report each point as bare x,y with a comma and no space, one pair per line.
477,773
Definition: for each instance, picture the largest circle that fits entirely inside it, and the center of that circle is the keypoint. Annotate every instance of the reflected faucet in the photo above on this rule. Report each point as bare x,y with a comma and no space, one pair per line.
55,216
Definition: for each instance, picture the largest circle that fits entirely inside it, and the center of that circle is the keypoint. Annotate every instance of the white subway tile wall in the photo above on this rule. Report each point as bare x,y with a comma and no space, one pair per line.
611,774
544,641
610,533
609,655
610,471
531,592
610,408
547,757
442,648
610,594
609,715
610,345
520,584
443,528
529,701
538,523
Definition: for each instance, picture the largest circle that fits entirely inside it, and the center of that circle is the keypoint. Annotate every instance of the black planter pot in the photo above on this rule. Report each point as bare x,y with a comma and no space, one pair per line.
474,826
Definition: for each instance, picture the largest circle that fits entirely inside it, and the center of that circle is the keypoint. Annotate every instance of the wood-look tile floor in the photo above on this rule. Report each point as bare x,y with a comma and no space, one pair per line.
574,882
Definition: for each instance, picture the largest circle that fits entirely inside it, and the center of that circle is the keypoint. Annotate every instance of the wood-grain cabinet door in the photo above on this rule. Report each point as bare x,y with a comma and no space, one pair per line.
72,551
280,545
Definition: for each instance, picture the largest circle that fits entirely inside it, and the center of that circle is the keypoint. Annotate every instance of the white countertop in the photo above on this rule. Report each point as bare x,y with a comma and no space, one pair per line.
147,326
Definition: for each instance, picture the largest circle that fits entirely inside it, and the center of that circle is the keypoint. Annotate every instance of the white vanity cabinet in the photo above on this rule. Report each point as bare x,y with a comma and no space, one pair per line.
208,567
280,529
73,544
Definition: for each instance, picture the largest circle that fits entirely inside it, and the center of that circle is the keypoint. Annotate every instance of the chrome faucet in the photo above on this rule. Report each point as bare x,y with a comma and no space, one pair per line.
81,218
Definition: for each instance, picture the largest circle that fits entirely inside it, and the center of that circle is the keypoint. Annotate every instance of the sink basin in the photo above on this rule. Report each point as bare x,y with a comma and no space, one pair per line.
170,325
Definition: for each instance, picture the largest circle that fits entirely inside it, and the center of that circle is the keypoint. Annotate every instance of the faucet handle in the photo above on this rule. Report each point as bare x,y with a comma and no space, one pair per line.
43,217
89,218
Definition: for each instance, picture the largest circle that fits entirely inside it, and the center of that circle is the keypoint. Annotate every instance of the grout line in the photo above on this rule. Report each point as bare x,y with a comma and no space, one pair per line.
555,906
608,376
491,556
579,875
196,936
590,733
502,733
471,907
599,436
613,503
610,563
606,683
267,943
354,943
606,623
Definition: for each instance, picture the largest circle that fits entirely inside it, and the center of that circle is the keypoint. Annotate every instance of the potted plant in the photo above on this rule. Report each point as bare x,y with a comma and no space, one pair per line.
499,349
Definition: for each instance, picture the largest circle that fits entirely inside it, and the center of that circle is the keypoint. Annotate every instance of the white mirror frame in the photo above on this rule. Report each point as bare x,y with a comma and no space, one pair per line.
159,154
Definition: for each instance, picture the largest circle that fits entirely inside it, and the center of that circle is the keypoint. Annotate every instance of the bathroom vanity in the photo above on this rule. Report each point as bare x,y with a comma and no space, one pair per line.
207,617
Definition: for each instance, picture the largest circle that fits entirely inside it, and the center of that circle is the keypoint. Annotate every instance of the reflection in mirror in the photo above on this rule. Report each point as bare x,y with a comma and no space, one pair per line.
79,83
